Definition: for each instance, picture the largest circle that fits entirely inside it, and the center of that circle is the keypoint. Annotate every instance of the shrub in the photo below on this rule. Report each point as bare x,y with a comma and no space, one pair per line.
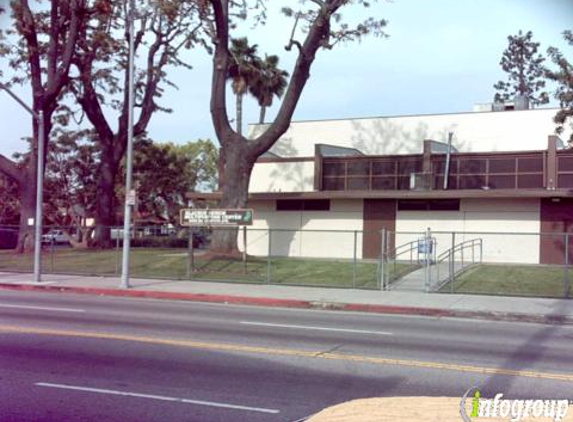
8,238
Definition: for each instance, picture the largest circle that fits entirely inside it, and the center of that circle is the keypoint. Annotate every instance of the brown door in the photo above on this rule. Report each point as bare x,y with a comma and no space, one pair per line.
556,219
378,214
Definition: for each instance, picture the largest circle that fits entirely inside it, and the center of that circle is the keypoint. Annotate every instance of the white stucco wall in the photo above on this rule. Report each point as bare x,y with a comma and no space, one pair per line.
473,132
327,234
504,216
476,216
282,177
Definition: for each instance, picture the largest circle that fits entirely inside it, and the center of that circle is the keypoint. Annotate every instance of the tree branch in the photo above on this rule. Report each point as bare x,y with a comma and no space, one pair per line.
54,40
28,31
10,169
55,85
220,64
91,105
318,32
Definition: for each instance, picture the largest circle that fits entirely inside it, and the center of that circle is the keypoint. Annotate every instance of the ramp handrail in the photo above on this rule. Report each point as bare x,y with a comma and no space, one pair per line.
450,255
390,258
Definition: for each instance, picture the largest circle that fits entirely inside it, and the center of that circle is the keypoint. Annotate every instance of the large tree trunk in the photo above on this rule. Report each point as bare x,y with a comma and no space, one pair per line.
235,192
239,113
27,208
105,208
221,171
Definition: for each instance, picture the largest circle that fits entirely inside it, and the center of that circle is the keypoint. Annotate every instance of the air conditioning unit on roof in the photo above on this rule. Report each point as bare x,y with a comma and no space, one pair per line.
420,181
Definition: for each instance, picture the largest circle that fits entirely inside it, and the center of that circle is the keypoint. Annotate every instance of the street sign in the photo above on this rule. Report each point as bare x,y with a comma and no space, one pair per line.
216,217
130,198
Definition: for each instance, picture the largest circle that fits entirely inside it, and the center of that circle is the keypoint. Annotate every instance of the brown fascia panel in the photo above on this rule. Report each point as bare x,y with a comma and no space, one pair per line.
407,194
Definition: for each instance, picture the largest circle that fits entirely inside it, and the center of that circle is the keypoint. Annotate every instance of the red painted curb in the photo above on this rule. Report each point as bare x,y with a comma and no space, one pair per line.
301,304
389,309
150,294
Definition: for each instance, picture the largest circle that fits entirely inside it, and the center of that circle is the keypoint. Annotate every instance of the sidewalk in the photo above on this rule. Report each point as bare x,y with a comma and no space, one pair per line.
389,302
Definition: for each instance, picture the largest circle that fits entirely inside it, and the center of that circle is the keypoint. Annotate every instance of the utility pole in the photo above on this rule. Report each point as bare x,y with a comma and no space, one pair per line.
39,117
129,197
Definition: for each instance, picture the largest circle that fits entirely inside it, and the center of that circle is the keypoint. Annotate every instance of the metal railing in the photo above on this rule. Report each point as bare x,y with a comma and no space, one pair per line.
401,260
449,257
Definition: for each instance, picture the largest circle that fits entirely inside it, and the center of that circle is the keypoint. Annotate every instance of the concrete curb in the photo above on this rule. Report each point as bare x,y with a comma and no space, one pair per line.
301,304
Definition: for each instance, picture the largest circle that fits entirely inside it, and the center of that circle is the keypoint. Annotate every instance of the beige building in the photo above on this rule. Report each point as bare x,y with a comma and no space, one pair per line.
506,174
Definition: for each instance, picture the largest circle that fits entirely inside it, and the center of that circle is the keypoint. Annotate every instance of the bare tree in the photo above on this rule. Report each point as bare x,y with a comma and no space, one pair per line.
323,27
163,28
44,47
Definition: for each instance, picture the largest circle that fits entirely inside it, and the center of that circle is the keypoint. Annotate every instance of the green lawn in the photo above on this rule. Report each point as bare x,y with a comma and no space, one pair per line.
172,264
512,280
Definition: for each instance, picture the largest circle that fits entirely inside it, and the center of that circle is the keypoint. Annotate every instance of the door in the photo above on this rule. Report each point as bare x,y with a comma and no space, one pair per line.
378,214
556,219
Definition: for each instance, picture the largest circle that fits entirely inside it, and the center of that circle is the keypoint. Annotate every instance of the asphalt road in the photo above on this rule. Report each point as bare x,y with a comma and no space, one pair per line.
84,358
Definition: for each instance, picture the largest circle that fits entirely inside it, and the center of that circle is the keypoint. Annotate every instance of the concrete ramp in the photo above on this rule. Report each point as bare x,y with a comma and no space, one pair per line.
416,280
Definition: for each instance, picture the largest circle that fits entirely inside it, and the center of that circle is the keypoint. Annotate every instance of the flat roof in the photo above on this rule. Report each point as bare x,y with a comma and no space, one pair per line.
398,194
397,116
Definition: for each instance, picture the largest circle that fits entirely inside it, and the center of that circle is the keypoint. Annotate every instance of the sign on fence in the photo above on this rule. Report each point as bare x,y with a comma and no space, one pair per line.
216,217
425,246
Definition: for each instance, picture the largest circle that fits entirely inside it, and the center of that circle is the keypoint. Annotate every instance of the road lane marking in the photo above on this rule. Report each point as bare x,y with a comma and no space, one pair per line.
238,348
155,397
308,327
40,308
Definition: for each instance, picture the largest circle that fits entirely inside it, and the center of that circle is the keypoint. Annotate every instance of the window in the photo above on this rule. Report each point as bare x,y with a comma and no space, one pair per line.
303,204
316,205
429,205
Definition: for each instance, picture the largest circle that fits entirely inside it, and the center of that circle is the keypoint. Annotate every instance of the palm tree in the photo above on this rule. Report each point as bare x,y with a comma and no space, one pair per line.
270,81
242,71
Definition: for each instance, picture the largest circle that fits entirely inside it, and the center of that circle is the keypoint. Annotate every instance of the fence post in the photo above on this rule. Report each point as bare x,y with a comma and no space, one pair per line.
567,281
428,245
52,241
116,252
269,258
462,253
354,260
411,253
190,255
245,249
388,234
383,260
452,262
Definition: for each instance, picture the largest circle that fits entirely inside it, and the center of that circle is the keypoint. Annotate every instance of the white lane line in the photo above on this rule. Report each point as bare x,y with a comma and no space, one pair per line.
154,397
308,327
40,308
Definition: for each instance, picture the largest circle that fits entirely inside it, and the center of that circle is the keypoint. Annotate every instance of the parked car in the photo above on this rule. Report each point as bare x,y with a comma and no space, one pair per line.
55,237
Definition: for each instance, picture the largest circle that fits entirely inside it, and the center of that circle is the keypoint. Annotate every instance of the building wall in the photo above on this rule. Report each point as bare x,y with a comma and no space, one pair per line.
282,177
507,217
327,234
514,226
473,132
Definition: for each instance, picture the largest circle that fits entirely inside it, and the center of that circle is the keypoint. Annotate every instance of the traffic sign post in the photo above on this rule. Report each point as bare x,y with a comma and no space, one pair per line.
192,217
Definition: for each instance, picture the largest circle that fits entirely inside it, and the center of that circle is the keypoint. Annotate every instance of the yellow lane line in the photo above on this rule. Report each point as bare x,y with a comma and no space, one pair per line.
290,352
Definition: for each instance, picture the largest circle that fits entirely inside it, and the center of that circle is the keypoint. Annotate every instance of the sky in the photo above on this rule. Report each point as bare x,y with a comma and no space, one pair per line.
441,56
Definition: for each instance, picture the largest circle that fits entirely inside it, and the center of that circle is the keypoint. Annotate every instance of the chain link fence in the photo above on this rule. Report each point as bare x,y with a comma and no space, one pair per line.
515,264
